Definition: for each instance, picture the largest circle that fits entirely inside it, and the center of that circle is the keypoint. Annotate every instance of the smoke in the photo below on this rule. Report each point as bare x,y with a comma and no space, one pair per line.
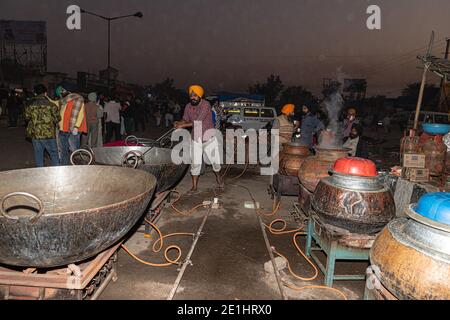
332,137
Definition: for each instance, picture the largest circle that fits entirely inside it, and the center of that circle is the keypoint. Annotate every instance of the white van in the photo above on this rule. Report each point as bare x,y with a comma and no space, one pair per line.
248,115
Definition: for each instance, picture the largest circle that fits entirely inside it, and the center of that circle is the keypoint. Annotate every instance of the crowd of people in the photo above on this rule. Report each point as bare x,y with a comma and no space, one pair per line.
11,103
306,130
62,122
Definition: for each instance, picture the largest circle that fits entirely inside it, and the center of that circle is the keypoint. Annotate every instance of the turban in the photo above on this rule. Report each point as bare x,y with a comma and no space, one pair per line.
287,109
59,91
92,97
197,90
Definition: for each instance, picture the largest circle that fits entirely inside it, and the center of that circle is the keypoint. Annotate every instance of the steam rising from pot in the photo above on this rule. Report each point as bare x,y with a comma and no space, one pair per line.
332,136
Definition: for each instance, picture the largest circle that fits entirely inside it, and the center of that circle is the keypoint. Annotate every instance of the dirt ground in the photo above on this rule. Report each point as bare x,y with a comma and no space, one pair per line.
228,260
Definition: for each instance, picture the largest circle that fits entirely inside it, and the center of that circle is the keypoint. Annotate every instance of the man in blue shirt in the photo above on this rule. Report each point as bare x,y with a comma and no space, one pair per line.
310,125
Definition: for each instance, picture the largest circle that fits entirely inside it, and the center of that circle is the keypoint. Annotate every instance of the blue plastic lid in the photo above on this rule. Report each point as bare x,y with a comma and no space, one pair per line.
435,206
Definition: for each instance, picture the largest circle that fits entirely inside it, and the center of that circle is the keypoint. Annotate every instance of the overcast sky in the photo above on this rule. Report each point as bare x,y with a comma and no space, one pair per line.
227,44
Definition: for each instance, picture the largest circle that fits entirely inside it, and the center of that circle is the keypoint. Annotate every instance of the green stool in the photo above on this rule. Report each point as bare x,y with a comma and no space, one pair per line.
334,250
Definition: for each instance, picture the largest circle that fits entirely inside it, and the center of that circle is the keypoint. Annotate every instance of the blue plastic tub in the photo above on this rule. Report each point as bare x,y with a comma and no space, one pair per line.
436,129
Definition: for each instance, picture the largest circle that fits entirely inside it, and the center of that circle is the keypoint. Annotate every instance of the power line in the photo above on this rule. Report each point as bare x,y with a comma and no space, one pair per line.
408,54
395,65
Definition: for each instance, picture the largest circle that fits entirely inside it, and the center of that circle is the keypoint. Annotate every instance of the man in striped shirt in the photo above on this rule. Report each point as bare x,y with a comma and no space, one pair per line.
198,116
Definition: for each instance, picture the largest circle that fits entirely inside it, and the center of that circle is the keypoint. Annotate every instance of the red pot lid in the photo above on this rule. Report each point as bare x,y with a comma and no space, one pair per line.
355,167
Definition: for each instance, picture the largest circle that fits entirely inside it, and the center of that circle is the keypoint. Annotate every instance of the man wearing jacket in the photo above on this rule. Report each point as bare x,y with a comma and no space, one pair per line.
73,122
43,116
356,143
311,125
285,124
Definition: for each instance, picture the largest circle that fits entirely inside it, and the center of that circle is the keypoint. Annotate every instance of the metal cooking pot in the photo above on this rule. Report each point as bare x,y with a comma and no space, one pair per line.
56,216
157,161
360,205
413,254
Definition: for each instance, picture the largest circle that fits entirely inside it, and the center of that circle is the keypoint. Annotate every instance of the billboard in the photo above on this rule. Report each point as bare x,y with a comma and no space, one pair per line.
23,32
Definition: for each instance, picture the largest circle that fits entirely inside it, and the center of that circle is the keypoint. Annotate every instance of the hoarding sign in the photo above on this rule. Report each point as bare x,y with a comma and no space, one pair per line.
23,32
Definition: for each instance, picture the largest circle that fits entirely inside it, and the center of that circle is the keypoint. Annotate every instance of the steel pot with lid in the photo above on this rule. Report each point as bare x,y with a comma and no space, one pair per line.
413,253
353,197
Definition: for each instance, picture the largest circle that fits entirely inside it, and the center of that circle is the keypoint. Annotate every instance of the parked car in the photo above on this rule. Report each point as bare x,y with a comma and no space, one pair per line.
248,115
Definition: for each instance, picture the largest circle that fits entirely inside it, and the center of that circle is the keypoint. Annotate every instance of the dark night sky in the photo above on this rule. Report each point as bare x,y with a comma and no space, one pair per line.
227,44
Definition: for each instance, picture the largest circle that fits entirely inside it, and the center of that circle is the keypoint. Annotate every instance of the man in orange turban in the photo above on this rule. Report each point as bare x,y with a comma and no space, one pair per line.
198,116
197,90
284,123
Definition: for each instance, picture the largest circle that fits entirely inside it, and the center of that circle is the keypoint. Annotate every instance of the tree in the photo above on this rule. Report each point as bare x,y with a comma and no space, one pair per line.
430,95
271,90
165,91
298,96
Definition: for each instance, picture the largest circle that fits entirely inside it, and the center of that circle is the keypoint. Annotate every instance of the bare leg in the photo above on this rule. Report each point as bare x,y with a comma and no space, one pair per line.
194,183
219,179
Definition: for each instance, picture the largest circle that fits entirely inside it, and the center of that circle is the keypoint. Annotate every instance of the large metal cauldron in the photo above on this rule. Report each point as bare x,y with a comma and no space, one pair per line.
81,211
413,257
157,161
360,205
292,157
316,167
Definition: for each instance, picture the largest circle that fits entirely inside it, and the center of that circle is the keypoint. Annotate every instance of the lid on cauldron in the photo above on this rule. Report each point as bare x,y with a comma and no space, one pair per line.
355,167
435,206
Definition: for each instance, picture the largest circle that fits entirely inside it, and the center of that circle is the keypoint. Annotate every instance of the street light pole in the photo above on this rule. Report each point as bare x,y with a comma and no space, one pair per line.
109,19
109,55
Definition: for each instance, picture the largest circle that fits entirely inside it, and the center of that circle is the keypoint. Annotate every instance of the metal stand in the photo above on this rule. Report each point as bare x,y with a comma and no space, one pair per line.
281,185
84,281
304,199
334,250
155,209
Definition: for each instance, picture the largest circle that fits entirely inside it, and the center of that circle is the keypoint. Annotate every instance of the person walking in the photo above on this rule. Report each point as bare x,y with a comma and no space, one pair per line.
177,112
73,122
169,115
112,121
128,110
13,106
3,98
92,116
139,116
157,115
43,116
